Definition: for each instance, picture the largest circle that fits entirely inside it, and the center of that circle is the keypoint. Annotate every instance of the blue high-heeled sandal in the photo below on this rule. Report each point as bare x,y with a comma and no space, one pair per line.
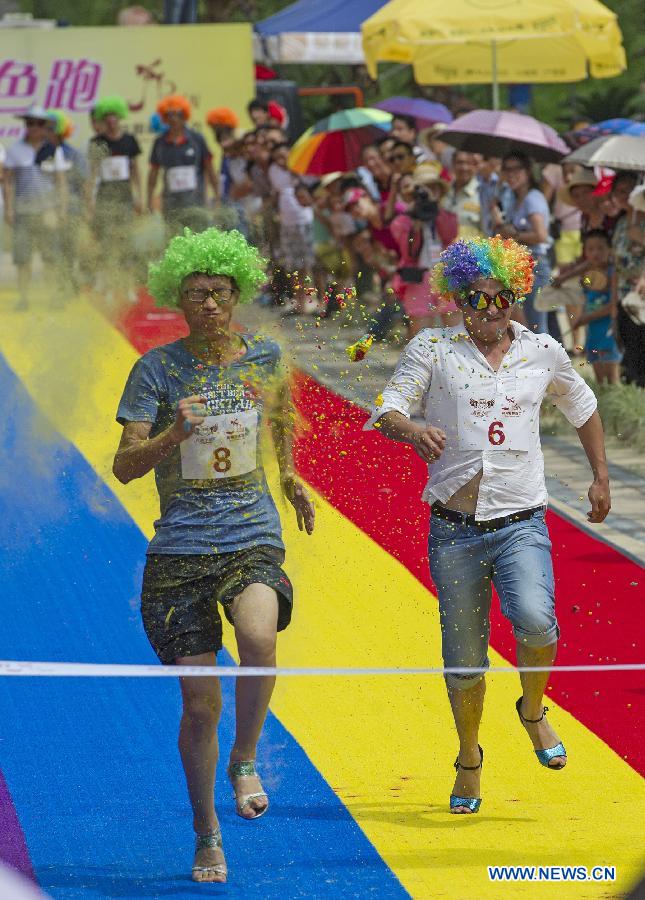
472,804
544,756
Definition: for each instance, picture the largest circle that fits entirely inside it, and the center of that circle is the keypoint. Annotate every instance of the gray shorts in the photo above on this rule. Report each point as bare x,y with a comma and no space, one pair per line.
33,232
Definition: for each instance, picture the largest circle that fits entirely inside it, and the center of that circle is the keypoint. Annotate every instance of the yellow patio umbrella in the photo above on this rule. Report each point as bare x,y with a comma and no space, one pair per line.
496,41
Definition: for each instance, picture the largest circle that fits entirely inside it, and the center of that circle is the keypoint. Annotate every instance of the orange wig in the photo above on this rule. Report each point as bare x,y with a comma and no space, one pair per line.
174,102
222,116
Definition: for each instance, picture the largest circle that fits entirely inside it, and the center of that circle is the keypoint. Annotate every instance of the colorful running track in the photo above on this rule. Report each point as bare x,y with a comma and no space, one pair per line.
359,770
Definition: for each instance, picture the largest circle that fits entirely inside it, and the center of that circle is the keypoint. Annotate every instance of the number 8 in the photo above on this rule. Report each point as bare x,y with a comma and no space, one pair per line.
496,434
221,459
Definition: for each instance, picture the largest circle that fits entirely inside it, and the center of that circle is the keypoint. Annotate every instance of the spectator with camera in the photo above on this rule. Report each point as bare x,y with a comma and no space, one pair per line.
421,235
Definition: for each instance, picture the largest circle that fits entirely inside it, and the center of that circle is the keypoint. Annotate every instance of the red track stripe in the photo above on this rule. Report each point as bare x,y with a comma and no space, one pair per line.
377,484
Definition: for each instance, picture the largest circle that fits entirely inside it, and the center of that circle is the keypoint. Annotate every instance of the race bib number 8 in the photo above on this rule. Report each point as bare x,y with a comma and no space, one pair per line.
222,446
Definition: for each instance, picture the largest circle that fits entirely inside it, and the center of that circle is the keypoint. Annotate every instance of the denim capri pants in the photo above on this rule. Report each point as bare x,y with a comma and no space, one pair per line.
465,560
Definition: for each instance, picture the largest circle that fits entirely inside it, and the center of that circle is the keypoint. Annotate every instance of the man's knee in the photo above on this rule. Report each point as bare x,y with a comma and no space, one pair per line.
463,682
536,628
257,648
202,710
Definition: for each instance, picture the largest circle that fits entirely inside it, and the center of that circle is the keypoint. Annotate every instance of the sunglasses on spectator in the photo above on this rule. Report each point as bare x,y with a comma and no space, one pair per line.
481,300
201,295
30,123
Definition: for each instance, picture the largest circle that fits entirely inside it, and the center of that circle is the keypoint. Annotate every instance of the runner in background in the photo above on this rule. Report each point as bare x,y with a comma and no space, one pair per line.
193,411
113,197
187,165
31,203
482,387
59,153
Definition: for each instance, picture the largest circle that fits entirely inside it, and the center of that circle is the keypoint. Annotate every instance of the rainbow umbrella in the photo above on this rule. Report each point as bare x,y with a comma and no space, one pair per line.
334,144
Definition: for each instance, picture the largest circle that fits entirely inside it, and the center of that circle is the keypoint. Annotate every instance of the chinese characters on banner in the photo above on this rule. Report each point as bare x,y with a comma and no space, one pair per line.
71,84
72,68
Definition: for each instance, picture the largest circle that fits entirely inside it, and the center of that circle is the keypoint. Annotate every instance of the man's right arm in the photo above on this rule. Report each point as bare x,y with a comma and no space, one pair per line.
138,454
8,191
153,174
407,386
428,441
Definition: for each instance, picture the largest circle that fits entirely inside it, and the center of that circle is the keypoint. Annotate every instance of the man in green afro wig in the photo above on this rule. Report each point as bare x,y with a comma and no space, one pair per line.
113,193
209,252
193,411
111,106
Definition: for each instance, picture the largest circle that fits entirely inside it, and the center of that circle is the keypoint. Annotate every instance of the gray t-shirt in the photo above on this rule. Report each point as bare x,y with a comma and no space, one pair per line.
231,508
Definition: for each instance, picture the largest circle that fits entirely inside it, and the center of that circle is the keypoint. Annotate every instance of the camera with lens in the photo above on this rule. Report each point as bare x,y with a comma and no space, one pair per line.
424,208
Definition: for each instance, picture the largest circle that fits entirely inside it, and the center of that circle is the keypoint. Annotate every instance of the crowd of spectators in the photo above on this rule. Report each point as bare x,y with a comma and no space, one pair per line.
374,232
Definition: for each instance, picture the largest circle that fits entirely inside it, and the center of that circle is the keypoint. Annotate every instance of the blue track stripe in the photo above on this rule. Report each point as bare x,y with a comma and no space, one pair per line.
92,765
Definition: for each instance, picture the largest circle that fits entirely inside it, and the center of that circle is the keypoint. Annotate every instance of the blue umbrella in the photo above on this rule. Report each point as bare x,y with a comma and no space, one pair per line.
424,111
604,129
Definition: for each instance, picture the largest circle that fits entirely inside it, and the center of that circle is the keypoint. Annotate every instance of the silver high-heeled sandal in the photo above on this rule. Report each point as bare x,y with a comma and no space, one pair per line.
210,840
240,770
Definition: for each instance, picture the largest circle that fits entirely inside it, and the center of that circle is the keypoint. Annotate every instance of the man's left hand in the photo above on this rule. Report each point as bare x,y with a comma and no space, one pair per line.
297,496
600,500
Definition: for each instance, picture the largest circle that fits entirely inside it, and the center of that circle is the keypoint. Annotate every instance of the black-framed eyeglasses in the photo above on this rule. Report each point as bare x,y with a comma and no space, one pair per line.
201,295
507,170
481,300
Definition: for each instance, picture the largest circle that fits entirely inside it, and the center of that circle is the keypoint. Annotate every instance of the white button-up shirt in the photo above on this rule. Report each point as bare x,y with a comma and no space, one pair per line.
491,419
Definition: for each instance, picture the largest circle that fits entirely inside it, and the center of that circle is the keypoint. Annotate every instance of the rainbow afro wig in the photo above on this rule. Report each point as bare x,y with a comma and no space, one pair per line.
111,106
209,252
500,258
174,103
62,125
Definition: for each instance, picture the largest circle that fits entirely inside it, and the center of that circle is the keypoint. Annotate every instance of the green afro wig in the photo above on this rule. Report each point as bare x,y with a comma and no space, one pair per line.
209,252
107,106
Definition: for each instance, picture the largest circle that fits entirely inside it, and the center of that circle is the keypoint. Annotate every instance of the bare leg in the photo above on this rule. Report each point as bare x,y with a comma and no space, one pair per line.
467,707
24,280
533,687
255,614
202,705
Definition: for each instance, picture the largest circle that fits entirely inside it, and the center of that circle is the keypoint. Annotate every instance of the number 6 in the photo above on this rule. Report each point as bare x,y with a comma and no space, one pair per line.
496,434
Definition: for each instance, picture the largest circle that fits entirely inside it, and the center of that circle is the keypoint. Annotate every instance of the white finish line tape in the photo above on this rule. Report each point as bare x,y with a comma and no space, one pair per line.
116,670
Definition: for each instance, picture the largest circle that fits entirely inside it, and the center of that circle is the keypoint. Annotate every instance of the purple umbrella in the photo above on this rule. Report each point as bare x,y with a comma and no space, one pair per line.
496,133
424,111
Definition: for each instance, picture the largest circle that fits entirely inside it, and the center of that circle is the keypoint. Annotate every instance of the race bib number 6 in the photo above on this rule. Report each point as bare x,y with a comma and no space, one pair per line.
493,422
496,434
222,446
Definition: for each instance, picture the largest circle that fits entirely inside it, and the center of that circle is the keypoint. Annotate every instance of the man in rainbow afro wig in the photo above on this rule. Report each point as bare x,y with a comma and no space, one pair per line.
481,387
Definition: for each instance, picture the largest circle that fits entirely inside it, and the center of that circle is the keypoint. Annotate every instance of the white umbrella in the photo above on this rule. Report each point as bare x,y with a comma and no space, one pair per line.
617,151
